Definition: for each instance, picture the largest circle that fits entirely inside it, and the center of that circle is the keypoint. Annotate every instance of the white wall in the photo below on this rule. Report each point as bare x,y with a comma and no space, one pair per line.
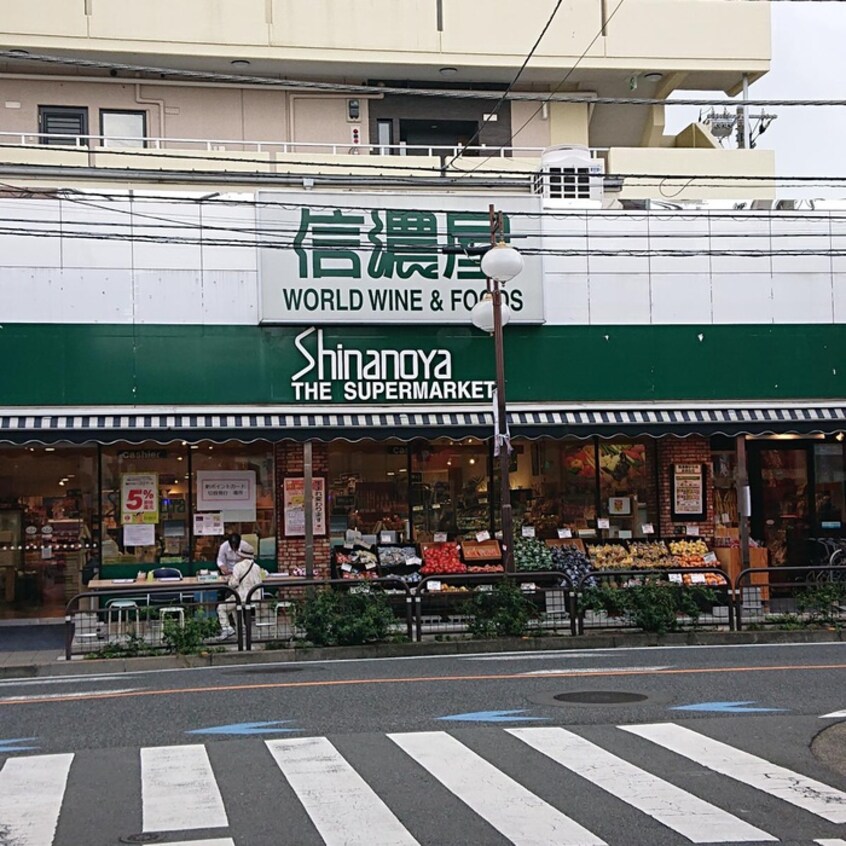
67,279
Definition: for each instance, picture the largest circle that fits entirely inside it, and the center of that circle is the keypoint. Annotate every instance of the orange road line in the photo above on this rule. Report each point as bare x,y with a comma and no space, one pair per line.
418,679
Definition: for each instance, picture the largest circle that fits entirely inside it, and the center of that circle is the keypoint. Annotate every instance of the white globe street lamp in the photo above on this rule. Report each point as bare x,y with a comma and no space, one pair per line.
482,314
502,262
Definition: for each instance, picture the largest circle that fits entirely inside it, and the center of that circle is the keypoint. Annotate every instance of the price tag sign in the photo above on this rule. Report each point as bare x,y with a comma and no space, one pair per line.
603,523
386,537
709,558
528,531
433,585
648,529
624,534
676,578
692,531
440,537
528,587
347,568
726,518
483,536
565,533
413,561
697,578
370,565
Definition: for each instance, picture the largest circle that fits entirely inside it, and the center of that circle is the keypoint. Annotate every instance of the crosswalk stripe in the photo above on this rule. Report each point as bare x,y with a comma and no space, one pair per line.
178,790
515,812
806,793
31,794
677,809
343,807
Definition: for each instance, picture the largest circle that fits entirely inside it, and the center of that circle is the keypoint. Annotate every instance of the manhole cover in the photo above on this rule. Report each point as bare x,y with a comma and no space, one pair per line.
143,838
600,697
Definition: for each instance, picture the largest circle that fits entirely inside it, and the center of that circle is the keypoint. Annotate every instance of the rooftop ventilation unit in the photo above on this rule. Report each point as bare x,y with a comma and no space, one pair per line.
570,176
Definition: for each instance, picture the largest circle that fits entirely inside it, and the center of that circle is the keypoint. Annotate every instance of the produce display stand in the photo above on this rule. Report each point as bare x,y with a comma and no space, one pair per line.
578,543
730,561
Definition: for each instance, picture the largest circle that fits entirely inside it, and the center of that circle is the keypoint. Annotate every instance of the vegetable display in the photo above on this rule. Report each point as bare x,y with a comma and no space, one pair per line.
531,554
441,559
574,564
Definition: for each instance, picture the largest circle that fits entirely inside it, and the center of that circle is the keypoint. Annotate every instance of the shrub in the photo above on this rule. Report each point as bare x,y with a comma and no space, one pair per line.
344,618
504,611
654,606
189,639
822,603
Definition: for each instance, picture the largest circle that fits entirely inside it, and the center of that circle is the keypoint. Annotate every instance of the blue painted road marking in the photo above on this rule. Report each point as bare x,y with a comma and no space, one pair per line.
728,708
12,744
492,717
269,727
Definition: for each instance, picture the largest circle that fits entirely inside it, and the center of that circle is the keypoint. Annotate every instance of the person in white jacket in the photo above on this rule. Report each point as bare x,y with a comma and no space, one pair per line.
246,574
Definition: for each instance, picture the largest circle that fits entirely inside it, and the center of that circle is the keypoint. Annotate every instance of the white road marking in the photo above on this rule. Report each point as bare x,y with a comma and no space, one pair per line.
675,808
566,671
537,656
806,793
834,715
515,812
74,694
61,680
31,794
178,790
219,841
343,807
836,842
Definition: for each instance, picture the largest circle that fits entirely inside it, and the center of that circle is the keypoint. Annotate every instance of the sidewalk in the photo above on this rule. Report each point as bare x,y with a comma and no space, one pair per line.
24,658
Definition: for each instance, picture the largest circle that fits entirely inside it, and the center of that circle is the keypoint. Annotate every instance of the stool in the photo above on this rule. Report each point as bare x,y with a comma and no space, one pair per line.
127,612
173,611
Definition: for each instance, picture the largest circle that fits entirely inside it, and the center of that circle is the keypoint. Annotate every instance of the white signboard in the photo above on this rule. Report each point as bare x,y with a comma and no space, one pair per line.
232,492
391,258
293,493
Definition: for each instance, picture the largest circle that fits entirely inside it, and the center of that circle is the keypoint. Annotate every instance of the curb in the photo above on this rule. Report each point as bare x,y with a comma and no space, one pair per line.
405,650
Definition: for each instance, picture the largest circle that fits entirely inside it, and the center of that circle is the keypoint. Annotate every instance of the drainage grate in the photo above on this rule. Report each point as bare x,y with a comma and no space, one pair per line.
148,837
600,697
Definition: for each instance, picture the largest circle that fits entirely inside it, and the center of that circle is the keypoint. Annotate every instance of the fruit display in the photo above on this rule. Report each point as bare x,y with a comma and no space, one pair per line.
573,563
441,559
711,579
689,553
530,554
650,555
611,556
356,564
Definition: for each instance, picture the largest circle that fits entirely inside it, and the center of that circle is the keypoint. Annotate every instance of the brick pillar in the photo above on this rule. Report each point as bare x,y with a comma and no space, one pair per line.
290,552
690,450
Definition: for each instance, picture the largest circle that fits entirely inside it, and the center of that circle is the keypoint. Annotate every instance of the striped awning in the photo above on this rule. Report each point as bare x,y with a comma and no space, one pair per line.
282,423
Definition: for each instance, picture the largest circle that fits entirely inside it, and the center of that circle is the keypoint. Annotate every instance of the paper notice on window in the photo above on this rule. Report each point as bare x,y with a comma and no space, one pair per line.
139,534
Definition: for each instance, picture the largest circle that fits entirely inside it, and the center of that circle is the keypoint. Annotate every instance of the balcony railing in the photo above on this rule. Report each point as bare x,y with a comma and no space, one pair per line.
124,142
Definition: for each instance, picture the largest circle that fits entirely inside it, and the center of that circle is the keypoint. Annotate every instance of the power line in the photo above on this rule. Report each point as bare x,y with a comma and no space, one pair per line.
498,106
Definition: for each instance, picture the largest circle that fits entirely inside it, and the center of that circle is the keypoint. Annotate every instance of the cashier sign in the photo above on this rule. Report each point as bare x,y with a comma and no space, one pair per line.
139,498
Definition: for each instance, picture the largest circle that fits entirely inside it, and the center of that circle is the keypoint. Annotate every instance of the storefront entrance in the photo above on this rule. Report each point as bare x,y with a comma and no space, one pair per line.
798,495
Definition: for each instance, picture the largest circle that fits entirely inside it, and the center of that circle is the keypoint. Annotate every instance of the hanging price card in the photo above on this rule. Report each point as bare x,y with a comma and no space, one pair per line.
528,531
565,533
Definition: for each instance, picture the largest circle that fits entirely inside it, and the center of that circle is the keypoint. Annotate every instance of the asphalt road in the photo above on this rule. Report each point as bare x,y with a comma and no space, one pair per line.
359,751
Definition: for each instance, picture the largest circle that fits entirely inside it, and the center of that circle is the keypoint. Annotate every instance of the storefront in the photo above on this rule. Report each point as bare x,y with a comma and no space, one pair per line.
145,417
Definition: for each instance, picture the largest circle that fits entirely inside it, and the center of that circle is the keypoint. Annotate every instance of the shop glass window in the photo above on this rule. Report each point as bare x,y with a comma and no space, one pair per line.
123,129
239,465
145,505
830,482
553,485
368,489
450,488
47,526
627,486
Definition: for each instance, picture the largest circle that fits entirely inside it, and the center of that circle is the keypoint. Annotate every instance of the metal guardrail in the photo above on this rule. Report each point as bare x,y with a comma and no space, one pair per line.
810,577
134,614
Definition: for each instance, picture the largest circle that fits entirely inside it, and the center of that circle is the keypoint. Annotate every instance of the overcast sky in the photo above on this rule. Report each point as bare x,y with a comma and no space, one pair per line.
808,61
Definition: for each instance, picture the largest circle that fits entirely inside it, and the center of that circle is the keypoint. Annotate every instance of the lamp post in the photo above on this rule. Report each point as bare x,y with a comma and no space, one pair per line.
500,264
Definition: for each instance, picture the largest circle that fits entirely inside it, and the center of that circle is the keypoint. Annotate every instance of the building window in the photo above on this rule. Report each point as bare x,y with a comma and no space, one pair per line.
63,125
123,129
